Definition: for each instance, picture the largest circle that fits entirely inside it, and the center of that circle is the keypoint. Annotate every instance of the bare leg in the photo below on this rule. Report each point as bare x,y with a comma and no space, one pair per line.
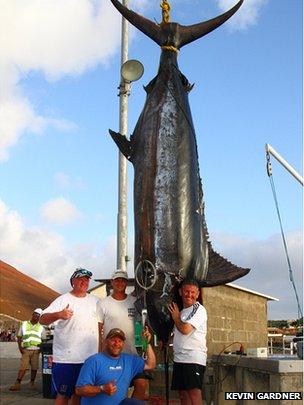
195,396
21,374
75,400
184,397
140,387
60,400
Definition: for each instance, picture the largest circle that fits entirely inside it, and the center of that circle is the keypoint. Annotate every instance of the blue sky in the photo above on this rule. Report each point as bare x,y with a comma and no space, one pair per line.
59,69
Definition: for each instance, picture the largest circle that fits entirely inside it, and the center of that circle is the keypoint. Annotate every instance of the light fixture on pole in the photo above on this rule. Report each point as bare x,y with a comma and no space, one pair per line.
122,217
132,70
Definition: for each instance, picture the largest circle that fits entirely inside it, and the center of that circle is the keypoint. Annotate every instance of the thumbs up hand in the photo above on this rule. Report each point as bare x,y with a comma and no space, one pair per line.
66,313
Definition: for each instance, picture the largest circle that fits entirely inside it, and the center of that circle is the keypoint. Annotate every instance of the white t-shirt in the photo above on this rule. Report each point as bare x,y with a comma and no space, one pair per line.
119,314
191,348
75,339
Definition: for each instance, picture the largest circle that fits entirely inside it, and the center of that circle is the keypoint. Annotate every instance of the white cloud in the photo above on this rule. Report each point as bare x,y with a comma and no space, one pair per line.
246,16
59,211
55,37
45,255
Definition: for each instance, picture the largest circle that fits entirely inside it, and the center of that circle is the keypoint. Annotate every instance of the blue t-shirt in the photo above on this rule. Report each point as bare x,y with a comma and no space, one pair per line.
100,369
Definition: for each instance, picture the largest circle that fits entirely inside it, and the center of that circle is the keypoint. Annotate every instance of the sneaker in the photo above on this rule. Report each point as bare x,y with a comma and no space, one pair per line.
15,387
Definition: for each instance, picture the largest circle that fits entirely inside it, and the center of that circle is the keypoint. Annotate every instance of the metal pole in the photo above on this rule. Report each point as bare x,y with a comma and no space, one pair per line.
122,216
283,162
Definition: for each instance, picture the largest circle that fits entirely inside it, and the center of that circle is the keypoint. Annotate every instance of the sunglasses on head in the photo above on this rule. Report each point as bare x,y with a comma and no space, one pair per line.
81,273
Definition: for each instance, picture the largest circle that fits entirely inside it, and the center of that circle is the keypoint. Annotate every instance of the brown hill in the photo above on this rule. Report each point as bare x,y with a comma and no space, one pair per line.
20,294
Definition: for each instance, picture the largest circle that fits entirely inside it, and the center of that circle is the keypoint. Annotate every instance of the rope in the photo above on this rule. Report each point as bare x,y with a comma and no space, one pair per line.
165,6
170,48
291,278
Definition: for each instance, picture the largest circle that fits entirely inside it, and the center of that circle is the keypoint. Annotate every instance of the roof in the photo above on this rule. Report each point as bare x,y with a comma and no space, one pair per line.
20,294
268,297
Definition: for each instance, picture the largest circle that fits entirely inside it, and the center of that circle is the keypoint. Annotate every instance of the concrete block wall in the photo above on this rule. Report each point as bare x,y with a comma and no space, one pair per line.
234,316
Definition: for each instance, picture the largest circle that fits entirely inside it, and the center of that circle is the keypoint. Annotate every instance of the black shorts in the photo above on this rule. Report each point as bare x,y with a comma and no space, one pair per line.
187,376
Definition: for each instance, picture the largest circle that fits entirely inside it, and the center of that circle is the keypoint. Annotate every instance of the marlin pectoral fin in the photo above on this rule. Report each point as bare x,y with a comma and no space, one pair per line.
122,142
192,32
221,271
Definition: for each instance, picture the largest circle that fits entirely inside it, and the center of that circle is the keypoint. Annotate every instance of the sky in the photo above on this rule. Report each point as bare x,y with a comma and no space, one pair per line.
59,73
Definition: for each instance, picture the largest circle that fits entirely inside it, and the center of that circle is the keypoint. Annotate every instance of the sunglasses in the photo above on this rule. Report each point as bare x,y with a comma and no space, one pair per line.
81,273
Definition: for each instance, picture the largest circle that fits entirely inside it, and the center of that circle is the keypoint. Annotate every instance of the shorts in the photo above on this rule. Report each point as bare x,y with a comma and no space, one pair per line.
64,378
29,358
187,376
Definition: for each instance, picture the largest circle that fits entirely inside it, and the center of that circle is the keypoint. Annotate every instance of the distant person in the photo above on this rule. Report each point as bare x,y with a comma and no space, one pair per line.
105,377
189,344
76,334
117,310
29,339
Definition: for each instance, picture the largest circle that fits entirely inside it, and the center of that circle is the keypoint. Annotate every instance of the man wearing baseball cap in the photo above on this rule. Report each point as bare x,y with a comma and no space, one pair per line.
117,310
76,334
105,377
29,340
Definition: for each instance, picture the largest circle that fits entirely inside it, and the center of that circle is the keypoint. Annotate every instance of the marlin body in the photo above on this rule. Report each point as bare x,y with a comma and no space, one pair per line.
170,228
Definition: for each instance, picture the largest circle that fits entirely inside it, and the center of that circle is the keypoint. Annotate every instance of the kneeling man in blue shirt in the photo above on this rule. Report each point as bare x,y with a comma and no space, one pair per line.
105,377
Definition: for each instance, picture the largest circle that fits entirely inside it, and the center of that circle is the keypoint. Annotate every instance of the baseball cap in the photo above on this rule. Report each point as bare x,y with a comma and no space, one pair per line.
116,332
119,274
80,272
38,311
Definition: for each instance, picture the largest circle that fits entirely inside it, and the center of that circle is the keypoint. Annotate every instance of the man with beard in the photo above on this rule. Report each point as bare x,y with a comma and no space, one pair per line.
117,310
105,377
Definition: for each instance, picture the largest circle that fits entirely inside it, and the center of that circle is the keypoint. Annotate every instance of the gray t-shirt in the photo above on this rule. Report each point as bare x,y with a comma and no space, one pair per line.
119,314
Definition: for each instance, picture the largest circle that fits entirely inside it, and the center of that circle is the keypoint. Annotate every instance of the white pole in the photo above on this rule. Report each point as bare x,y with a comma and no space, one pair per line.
122,216
292,171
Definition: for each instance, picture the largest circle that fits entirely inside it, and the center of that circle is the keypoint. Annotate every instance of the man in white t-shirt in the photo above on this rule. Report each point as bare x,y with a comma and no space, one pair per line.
117,311
189,344
76,334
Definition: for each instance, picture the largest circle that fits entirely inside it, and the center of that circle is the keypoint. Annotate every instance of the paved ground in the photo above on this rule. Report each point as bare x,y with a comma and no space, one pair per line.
8,372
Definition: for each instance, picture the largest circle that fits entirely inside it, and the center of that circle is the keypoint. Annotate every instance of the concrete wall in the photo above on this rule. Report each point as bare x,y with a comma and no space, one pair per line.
234,316
241,374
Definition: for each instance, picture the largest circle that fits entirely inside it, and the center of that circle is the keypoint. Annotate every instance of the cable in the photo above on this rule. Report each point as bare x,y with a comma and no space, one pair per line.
217,383
241,353
291,278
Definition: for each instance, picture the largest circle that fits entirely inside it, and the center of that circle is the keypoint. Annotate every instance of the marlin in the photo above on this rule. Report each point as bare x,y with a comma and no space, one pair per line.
171,235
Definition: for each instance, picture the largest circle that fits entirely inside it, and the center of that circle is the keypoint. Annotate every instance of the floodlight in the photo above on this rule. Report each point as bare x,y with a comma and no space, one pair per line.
132,70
